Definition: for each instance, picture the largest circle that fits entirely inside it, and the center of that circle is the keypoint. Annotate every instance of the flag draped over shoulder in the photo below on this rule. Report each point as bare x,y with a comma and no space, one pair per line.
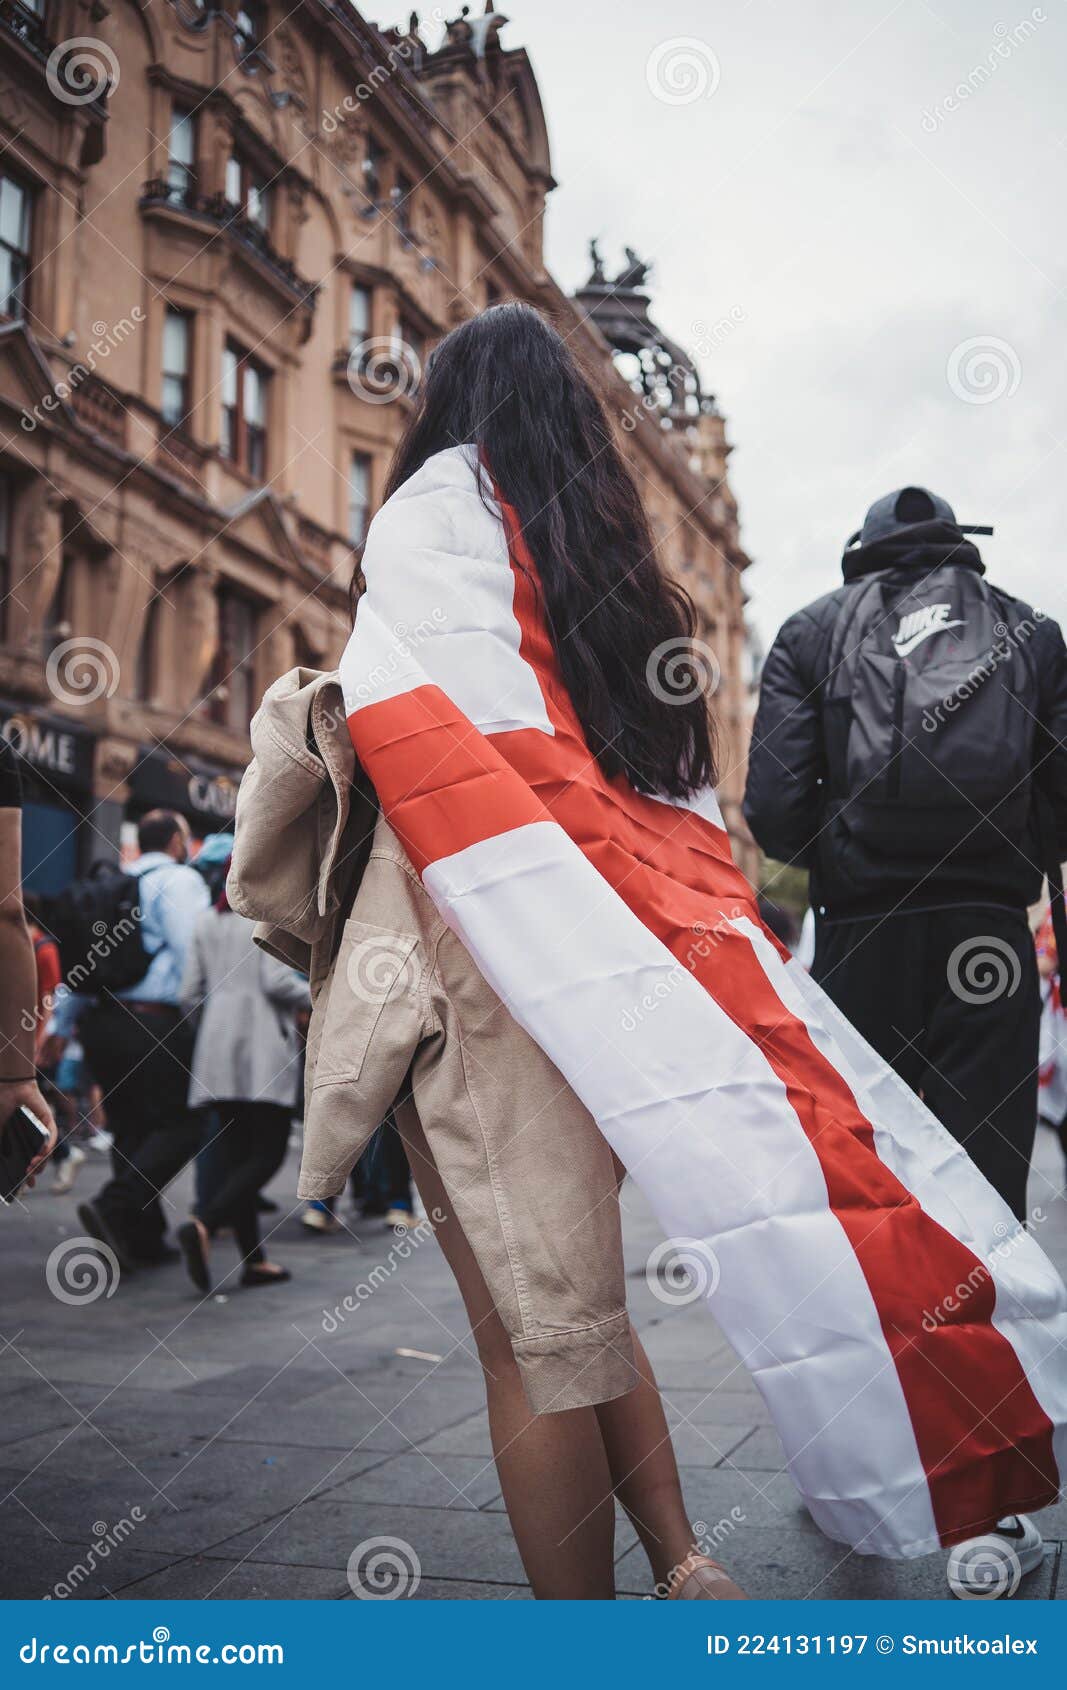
908,1337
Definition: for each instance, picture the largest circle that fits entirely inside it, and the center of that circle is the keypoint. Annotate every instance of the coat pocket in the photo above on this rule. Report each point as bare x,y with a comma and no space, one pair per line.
376,967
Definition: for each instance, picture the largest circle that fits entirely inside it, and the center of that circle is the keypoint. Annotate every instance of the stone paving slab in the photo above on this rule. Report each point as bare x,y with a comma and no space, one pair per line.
449,1543
33,1572
427,1481
266,1437
198,1579
186,1504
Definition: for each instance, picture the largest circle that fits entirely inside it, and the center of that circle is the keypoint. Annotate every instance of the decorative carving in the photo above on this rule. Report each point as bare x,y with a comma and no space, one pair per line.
634,272
292,66
115,762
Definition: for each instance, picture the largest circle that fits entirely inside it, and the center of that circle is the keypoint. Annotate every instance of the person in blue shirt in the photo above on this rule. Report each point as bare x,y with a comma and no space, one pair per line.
138,1045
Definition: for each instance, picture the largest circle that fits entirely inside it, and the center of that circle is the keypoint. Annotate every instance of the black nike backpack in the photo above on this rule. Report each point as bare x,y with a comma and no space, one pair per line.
931,710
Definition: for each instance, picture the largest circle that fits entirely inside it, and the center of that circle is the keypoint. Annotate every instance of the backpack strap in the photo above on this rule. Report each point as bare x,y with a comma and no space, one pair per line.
1053,869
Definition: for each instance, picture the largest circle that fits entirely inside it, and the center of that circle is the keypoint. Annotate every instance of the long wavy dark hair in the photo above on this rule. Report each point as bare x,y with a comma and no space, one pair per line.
507,382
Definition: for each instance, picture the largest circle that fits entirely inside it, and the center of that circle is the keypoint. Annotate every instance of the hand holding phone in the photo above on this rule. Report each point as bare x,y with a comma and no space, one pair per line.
25,1141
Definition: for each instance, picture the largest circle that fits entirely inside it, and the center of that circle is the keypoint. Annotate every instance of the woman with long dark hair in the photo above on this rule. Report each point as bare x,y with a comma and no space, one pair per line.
506,384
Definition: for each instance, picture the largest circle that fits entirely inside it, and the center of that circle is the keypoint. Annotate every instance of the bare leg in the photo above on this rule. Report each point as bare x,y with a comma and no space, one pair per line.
644,1472
552,1467
645,1476
560,1473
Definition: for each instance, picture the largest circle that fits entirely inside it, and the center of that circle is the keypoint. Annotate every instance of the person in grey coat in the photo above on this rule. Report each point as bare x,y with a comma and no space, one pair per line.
244,1075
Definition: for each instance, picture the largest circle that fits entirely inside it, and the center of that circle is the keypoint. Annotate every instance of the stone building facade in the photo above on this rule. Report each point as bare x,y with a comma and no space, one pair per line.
229,233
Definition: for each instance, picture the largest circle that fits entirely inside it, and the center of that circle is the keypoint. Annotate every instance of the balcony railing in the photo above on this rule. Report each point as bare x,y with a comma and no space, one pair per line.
217,209
100,409
181,456
315,541
26,26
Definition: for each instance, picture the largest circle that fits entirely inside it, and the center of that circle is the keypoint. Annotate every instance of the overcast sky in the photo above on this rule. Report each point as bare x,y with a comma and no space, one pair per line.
827,236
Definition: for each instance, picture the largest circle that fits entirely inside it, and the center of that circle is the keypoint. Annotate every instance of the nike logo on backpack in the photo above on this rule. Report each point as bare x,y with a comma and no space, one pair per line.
918,625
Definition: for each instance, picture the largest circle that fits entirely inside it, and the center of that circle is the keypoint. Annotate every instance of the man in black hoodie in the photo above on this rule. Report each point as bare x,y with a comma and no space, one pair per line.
910,750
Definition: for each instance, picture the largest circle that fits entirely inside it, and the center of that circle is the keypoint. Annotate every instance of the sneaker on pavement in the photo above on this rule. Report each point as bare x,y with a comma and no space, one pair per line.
66,1172
319,1219
991,1566
399,1217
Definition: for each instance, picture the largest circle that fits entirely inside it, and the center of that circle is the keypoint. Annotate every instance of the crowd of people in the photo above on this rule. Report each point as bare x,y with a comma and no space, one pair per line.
199,1059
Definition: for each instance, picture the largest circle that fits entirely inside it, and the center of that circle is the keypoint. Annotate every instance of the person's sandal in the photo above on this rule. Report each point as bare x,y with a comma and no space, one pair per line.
254,1274
700,1577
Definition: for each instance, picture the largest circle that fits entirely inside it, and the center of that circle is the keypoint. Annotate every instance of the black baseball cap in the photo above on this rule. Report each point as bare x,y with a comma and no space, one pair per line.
895,513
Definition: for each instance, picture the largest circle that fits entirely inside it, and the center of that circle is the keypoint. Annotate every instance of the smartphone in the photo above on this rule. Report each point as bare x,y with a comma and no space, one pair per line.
22,1137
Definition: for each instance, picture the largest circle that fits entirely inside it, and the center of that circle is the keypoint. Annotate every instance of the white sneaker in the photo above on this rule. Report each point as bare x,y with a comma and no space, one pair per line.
320,1220
988,1567
65,1174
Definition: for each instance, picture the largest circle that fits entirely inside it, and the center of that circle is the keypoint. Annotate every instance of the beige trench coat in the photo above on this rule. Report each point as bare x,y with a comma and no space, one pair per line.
401,1013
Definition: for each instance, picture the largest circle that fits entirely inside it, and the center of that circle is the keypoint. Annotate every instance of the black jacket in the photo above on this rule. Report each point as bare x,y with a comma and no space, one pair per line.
790,779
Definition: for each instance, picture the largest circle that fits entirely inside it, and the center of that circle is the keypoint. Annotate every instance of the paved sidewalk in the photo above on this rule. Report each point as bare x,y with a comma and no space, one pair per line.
244,1445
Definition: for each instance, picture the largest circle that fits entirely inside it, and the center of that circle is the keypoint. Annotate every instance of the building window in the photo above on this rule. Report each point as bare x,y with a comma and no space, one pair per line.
250,22
147,651
25,18
411,352
177,357
181,161
359,497
359,311
233,697
247,189
14,245
372,170
244,410
5,552
59,617
403,189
